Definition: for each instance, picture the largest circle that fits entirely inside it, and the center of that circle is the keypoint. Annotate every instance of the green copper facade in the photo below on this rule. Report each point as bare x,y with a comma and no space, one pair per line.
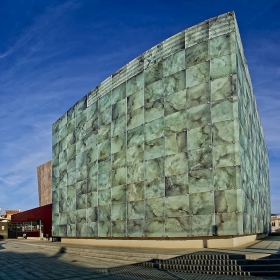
171,145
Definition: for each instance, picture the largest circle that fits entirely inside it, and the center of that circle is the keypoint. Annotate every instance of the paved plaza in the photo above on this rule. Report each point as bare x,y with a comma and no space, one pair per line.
30,259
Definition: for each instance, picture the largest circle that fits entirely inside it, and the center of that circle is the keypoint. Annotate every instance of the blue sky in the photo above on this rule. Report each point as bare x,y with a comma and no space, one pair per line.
52,53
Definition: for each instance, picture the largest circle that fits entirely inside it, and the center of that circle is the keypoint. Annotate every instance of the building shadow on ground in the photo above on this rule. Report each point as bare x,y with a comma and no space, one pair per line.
1,247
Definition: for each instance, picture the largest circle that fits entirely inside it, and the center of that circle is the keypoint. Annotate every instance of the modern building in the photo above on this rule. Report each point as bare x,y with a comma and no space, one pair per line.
35,222
169,148
44,175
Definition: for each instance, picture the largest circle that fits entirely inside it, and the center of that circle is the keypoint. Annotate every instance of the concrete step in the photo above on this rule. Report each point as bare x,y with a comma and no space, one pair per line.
113,260
256,270
97,252
107,252
210,256
265,273
257,267
197,262
258,262
219,262
193,267
273,256
234,273
114,256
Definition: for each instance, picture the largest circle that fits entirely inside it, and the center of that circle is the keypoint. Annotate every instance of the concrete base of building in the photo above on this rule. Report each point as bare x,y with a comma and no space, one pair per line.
196,243
30,238
234,241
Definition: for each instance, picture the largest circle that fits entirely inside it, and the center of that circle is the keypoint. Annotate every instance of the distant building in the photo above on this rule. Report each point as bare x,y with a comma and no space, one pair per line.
275,222
44,174
8,213
3,228
36,223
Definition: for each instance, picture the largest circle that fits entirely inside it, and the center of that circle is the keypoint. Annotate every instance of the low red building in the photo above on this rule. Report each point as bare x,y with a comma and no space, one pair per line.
35,222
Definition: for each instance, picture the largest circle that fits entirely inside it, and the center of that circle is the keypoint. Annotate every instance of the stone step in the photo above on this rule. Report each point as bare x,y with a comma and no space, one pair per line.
112,257
196,262
273,256
241,273
219,262
211,257
265,267
257,267
113,253
265,273
117,257
258,262
193,267
113,260
101,253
